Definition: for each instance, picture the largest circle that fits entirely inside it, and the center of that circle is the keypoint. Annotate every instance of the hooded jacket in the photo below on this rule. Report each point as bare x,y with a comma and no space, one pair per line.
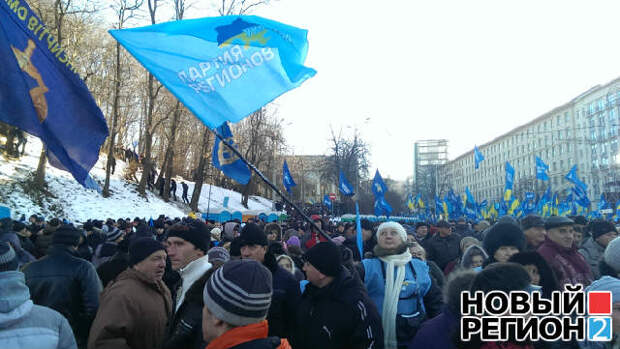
284,301
592,251
25,325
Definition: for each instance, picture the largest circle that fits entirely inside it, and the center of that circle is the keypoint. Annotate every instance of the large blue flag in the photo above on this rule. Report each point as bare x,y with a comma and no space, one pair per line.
571,176
221,68
225,160
42,94
541,170
378,186
382,207
510,178
287,179
478,157
343,185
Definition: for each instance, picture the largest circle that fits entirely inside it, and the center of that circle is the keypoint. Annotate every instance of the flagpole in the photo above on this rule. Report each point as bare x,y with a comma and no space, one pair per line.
261,176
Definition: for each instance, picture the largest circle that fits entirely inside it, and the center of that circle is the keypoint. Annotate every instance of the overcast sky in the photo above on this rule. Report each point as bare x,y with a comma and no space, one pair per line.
466,71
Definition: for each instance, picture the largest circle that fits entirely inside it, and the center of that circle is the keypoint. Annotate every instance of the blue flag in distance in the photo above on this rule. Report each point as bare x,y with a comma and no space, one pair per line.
478,157
343,185
510,178
221,68
541,170
572,177
226,161
327,201
287,179
378,186
46,97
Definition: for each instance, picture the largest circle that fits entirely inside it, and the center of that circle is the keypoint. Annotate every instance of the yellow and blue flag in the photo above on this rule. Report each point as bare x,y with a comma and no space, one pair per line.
410,203
287,179
478,157
510,177
221,68
227,161
420,201
42,94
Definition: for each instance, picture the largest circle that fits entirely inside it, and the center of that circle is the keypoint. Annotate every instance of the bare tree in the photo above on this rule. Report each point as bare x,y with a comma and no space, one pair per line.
200,171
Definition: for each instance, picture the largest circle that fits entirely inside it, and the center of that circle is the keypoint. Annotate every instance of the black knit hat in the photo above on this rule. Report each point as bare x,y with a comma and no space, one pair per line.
442,224
193,233
239,292
503,234
557,221
531,221
67,234
501,277
141,248
252,234
326,258
600,227
8,258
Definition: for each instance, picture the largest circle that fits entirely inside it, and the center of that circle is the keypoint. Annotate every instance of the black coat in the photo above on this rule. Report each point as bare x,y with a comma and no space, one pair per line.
109,270
284,301
339,315
68,284
443,250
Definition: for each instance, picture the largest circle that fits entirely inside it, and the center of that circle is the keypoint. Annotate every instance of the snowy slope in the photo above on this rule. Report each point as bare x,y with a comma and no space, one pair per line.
68,199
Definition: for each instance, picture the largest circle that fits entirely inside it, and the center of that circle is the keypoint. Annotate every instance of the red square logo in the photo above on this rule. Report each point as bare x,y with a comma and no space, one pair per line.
599,303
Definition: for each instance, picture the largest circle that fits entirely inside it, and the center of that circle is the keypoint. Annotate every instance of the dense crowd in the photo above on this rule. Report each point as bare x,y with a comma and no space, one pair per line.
186,283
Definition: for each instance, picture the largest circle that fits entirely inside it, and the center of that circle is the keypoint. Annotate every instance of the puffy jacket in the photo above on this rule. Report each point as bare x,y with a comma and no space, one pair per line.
67,284
592,251
339,315
25,325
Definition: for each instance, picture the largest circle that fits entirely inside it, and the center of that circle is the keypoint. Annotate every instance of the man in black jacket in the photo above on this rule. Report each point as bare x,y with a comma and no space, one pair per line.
66,283
444,247
335,311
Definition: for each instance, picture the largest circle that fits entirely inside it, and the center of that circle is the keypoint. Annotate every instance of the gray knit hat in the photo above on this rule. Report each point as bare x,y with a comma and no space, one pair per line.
8,258
612,254
239,292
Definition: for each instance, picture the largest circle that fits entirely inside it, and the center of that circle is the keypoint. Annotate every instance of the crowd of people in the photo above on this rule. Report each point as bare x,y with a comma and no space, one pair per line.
186,283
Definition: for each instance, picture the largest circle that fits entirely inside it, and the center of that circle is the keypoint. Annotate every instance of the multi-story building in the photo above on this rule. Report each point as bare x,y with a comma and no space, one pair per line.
582,132
429,157
307,173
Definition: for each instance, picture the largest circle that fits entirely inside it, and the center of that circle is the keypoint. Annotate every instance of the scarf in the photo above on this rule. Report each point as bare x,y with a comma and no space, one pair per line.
243,334
392,293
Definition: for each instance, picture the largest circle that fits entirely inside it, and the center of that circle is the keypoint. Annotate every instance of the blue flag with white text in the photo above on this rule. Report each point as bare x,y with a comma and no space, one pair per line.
541,170
327,201
226,161
287,179
478,157
221,68
343,185
41,93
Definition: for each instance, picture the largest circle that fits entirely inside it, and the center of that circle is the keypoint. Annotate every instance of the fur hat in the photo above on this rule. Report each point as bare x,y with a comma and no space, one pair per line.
600,227
501,277
503,234
399,228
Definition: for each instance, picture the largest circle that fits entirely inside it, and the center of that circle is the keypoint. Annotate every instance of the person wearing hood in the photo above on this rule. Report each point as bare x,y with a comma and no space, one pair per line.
329,303
438,332
23,324
465,243
540,272
592,249
399,285
66,283
611,284
560,252
287,263
474,258
286,294
502,241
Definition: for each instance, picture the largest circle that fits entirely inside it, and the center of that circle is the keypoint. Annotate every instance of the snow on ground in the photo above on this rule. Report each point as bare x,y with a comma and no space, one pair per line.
70,200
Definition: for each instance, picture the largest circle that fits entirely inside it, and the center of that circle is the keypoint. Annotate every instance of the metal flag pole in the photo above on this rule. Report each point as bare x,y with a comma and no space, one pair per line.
271,185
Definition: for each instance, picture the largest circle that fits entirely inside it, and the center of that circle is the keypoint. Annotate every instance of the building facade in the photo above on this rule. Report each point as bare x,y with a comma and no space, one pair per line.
429,157
582,132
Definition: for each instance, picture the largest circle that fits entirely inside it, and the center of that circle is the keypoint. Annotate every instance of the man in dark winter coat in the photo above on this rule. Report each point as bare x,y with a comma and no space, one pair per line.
286,293
185,188
66,283
444,247
335,311
173,189
592,249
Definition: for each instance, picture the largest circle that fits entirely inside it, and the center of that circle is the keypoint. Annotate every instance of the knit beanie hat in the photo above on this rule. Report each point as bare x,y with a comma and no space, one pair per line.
239,292
218,254
503,234
67,234
399,228
600,227
501,277
612,254
141,248
8,258
532,221
194,233
325,257
114,234
607,283
294,240
252,234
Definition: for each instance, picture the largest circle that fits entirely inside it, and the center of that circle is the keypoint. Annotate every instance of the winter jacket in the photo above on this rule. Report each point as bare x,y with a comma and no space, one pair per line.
104,252
96,238
284,301
568,265
437,333
339,315
12,238
443,250
134,313
436,274
253,336
592,251
185,329
67,284
109,270
25,325
43,239
189,274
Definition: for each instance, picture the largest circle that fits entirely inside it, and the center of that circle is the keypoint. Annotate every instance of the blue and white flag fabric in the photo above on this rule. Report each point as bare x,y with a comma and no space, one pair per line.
227,161
478,157
358,225
541,170
378,186
221,68
572,177
602,203
343,185
327,201
510,178
382,207
41,92
287,179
